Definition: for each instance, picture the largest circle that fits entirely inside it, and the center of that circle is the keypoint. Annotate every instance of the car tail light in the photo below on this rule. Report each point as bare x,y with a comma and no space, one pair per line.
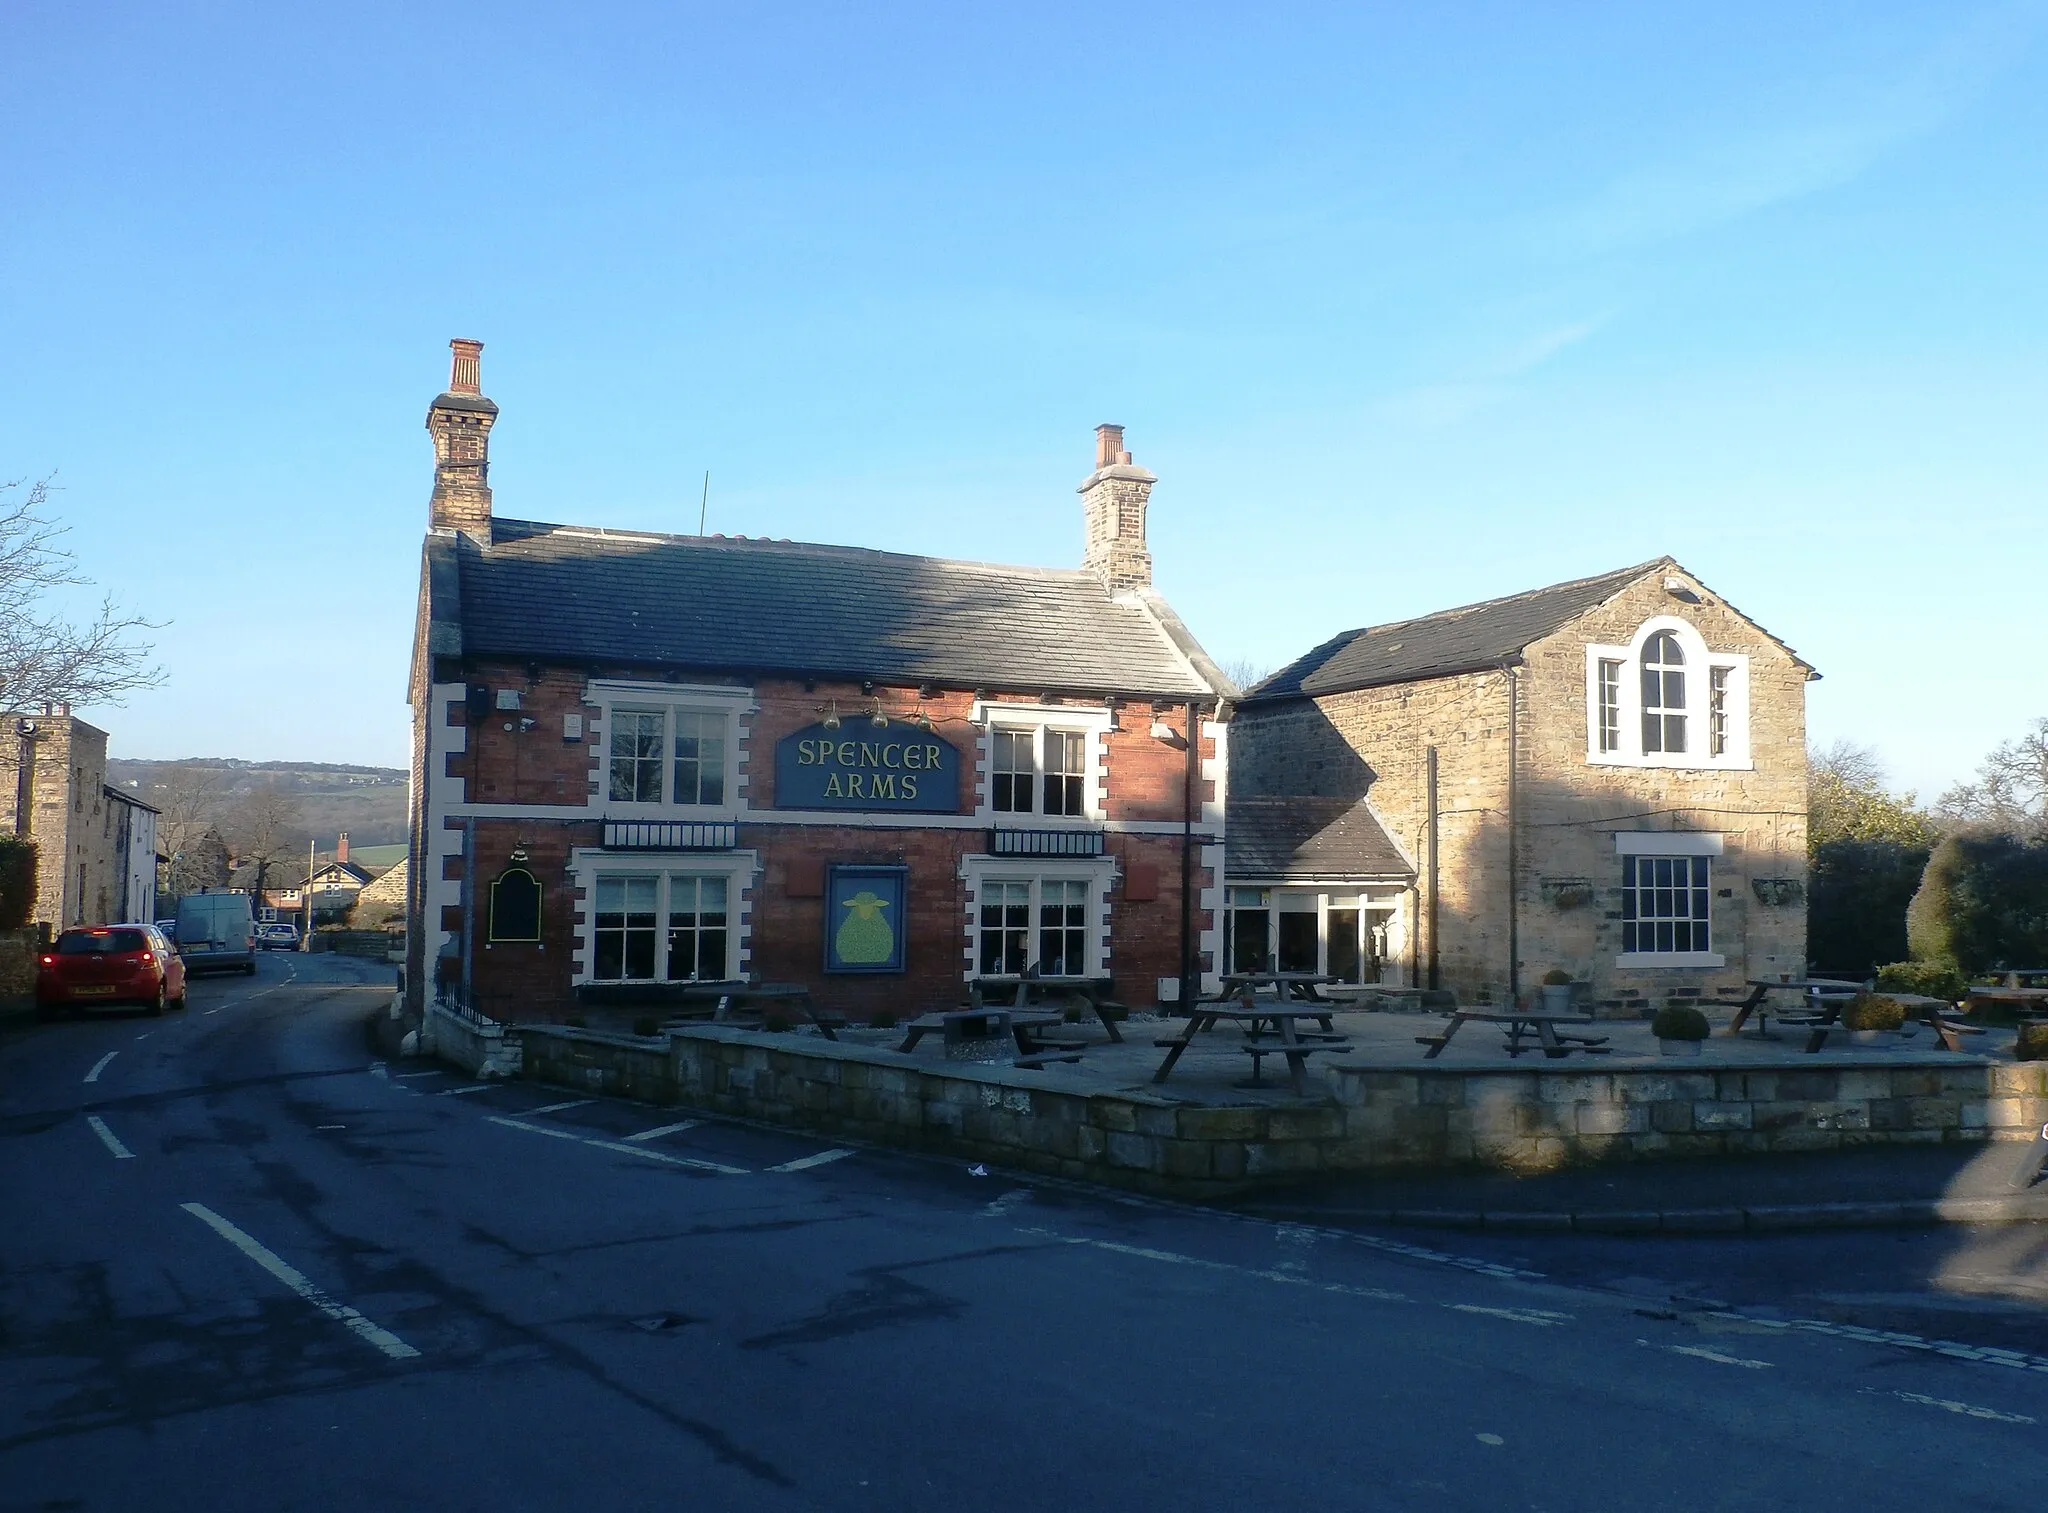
146,959
49,961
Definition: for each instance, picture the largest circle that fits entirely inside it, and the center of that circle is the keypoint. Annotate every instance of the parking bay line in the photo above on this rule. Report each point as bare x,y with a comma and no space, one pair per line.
804,1163
99,1127
657,1132
297,1281
556,1108
457,1092
100,1066
619,1145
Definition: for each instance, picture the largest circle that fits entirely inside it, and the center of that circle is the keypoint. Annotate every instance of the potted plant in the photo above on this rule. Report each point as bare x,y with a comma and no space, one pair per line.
1557,991
1679,1029
1873,1019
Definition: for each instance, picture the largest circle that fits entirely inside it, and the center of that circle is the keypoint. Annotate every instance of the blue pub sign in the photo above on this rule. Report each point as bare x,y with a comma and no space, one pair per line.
897,768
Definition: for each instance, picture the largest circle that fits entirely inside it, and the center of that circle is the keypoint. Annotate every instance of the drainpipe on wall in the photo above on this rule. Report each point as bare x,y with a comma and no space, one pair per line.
1189,975
1514,841
1435,956
468,912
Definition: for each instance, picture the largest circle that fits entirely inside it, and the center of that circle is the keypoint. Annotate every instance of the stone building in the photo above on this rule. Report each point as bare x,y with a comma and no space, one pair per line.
1606,776
647,759
95,846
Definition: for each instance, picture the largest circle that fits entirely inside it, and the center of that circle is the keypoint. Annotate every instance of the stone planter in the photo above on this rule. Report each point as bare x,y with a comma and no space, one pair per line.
1678,1047
1874,1037
1557,998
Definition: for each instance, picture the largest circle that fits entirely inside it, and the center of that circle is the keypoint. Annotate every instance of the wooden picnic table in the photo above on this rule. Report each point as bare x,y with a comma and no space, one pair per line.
1270,1030
1301,985
2026,999
1090,994
1818,991
1553,1042
725,1001
1826,998
1022,1025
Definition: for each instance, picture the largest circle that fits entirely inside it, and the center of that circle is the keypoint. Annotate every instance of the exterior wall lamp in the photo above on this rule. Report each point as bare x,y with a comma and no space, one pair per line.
830,710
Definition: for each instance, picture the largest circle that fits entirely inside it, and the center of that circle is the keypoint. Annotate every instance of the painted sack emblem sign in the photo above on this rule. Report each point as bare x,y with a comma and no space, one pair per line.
860,766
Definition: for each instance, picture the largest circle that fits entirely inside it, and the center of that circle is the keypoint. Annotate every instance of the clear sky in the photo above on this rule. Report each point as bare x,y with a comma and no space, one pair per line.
1407,306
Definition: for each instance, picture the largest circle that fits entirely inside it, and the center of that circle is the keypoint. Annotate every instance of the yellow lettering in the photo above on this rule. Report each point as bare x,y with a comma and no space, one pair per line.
913,756
883,785
832,787
853,786
806,753
909,786
931,757
892,756
845,753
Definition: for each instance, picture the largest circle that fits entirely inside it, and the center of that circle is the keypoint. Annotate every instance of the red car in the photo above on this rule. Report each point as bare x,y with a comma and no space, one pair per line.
92,965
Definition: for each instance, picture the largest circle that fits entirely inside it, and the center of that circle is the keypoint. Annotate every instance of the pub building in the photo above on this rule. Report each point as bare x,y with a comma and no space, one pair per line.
653,759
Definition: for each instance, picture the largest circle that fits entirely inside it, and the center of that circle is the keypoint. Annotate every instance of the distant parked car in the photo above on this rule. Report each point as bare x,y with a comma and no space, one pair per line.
169,927
99,965
277,936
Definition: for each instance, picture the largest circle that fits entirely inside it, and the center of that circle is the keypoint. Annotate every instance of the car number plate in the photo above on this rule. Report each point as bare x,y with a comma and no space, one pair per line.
106,989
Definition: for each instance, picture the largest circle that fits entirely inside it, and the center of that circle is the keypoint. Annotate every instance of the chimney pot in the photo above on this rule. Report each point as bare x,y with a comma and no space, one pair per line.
464,375
1113,501
341,847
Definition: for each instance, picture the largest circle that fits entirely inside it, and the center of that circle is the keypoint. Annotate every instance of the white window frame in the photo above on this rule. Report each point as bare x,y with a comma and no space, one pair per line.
1700,666
738,868
1038,719
1674,843
1375,911
979,871
732,705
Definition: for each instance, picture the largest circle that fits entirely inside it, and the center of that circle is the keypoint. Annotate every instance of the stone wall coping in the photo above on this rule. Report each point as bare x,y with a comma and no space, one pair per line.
1594,1066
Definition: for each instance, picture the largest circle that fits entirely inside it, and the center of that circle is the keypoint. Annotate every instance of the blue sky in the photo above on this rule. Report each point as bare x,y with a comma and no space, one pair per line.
1405,310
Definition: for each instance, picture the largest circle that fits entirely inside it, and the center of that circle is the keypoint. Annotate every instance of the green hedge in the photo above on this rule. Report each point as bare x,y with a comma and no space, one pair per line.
17,882
1856,903
1930,979
1982,904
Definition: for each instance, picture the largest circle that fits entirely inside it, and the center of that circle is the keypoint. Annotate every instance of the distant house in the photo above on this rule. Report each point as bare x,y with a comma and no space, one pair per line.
95,845
335,884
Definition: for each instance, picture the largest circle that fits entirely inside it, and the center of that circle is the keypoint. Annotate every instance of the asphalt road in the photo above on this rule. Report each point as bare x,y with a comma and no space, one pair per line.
245,1266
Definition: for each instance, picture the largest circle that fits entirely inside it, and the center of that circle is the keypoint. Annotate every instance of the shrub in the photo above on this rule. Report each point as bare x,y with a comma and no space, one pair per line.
2032,1044
1983,903
17,881
1930,979
1873,1011
1679,1022
882,1019
1557,977
1856,903
647,1026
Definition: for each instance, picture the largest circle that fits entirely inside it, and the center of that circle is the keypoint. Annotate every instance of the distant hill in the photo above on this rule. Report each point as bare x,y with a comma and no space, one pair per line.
367,802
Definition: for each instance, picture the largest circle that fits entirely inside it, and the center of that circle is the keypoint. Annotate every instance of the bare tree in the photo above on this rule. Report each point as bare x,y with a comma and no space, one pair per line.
2011,790
46,658
1244,672
264,826
1846,800
191,800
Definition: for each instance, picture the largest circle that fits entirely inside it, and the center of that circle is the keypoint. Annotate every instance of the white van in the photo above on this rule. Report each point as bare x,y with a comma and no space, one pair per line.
217,932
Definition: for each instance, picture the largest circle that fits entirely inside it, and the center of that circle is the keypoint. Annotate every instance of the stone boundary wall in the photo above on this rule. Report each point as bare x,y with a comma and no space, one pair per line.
1381,1118
18,949
484,1049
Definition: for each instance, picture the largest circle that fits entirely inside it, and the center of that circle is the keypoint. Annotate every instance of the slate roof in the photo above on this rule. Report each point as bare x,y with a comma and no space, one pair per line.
1308,838
566,593
1451,641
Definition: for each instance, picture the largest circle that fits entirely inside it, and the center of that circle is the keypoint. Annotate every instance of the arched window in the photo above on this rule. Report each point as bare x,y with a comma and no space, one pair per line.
1663,694
515,906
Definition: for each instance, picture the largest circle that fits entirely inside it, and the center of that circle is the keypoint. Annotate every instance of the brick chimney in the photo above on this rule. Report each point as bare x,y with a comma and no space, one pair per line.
1113,500
460,422
341,842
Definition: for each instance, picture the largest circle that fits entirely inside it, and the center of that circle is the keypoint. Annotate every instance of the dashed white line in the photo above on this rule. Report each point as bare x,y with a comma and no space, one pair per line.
619,1145
145,1034
556,1108
209,1011
1969,1410
1542,1317
296,1280
414,1076
457,1092
1700,1352
100,1066
99,1127
1003,1204
1174,1258
647,1134
805,1163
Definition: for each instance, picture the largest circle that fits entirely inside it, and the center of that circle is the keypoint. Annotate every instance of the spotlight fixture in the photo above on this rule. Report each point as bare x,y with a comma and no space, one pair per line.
875,717
830,711
922,721
1116,722
1161,731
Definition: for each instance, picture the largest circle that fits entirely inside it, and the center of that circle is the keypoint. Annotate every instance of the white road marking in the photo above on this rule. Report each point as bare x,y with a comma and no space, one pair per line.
1541,1317
379,1069
209,1011
1967,1409
99,1127
1003,1204
1489,1439
100,1066
619,1145
556,1108
145,1034
647,1134
296,1280
318,1127
457,1092
1700,1352
1173,1258
805,1163
414,1076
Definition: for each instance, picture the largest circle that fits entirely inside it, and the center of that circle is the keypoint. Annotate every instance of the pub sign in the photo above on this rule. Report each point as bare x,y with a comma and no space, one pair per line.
864,924
898,768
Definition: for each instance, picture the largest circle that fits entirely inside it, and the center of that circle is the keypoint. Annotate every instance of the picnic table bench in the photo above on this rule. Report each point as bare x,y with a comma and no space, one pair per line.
2025,989
1555,1043
1089,995
1259,1020
1025,1026
740,1002
1825,998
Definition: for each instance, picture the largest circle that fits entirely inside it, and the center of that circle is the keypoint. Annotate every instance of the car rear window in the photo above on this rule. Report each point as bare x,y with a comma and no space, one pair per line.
100,942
